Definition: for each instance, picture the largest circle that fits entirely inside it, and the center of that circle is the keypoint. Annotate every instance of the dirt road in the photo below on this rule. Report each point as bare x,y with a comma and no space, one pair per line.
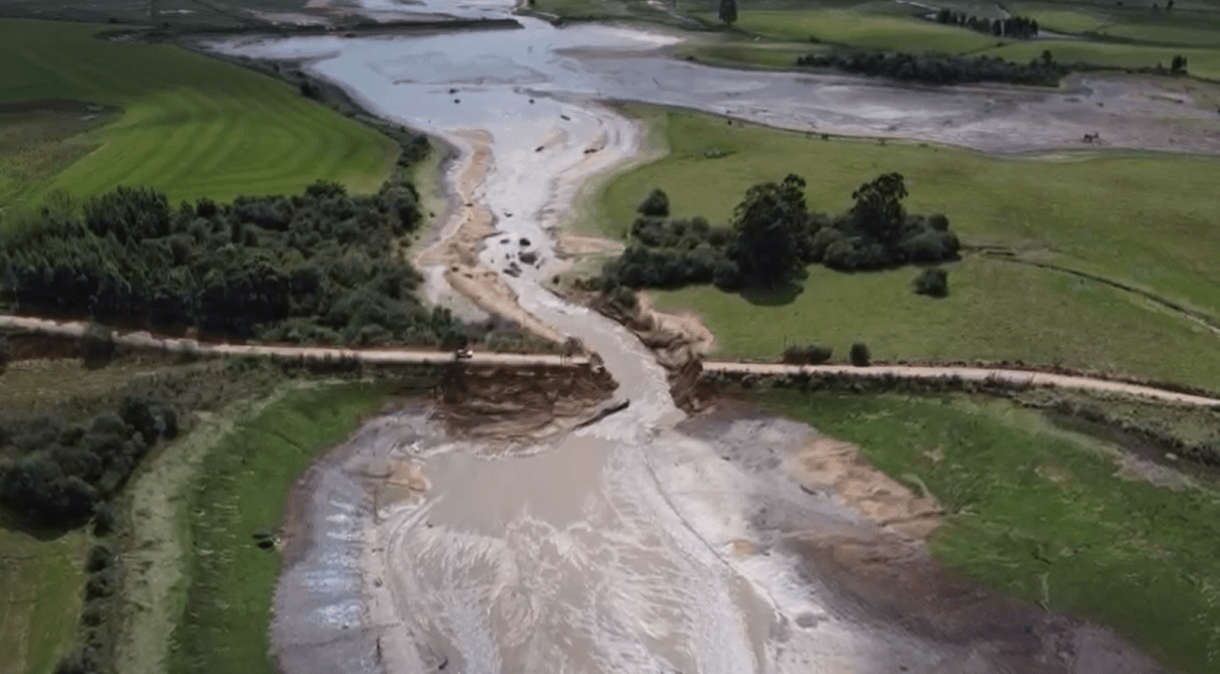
421,356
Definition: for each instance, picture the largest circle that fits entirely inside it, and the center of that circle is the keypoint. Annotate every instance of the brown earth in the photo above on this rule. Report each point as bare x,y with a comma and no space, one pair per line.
521,402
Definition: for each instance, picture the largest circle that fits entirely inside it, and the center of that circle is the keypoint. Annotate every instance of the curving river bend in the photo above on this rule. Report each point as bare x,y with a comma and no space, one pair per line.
627,546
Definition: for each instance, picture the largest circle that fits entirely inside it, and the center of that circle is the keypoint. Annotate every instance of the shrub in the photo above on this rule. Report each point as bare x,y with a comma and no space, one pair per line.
6,354
101,584
812,354
80,661
97,346
100,557
655,204
933,282
860,355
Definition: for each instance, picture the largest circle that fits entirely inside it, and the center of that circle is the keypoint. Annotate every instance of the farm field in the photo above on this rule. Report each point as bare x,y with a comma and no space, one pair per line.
995,311
1083,32
42,578
1139,219
1055,517
184,124
231,581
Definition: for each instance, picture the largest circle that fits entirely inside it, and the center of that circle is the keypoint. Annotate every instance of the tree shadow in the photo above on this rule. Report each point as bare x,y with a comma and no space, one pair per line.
772,297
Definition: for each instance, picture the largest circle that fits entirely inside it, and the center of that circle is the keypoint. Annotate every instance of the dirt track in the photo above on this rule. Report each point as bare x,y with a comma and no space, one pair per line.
419,356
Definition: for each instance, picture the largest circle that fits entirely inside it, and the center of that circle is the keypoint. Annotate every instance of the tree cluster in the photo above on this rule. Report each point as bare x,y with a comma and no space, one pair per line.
320,266
773,237
57,473
939,68
1013,26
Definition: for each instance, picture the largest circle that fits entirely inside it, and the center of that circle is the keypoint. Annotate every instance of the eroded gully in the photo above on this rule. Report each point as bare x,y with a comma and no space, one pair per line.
626,546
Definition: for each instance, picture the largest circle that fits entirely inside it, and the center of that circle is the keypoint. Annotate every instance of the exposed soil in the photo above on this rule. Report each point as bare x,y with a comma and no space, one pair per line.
517,403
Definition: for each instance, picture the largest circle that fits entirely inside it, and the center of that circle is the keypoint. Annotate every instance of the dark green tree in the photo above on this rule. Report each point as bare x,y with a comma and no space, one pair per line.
767,226
728,12
656,204
1178,65
878,213
860,355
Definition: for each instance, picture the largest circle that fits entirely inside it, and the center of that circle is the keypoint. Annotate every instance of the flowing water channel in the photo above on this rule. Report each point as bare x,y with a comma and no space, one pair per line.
625,546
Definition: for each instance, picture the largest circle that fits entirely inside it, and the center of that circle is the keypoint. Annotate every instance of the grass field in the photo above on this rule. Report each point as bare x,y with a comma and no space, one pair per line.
189,125
1200,62
995,311
242,491
858,29
41,588
1142,219
1046,515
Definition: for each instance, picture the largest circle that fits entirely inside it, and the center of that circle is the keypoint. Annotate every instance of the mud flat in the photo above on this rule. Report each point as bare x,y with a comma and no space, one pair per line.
735,543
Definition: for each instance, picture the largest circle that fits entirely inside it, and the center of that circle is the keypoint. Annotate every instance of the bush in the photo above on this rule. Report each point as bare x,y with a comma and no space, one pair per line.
103,520
6,354
97,346
101,584
656,204
100,557
932,282
860,355
80,661
812,354
938,68
61,474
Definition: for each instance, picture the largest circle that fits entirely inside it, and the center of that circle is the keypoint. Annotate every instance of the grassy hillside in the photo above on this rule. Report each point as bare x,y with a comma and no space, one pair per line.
1142,219
187,125
1047,515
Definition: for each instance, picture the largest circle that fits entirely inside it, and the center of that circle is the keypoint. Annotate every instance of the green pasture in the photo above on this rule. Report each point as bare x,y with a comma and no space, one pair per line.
42,580
189,125
242,491
1046,515
1063,17
174,12
859,29
1201,62
996,310
1145,220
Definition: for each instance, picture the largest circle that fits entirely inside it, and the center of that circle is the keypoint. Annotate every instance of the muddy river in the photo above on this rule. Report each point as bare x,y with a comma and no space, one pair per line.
640,543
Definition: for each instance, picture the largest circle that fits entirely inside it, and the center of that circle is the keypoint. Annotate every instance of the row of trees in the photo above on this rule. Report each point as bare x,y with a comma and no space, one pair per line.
773,237
939,68
1013,26
320,266
57,473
